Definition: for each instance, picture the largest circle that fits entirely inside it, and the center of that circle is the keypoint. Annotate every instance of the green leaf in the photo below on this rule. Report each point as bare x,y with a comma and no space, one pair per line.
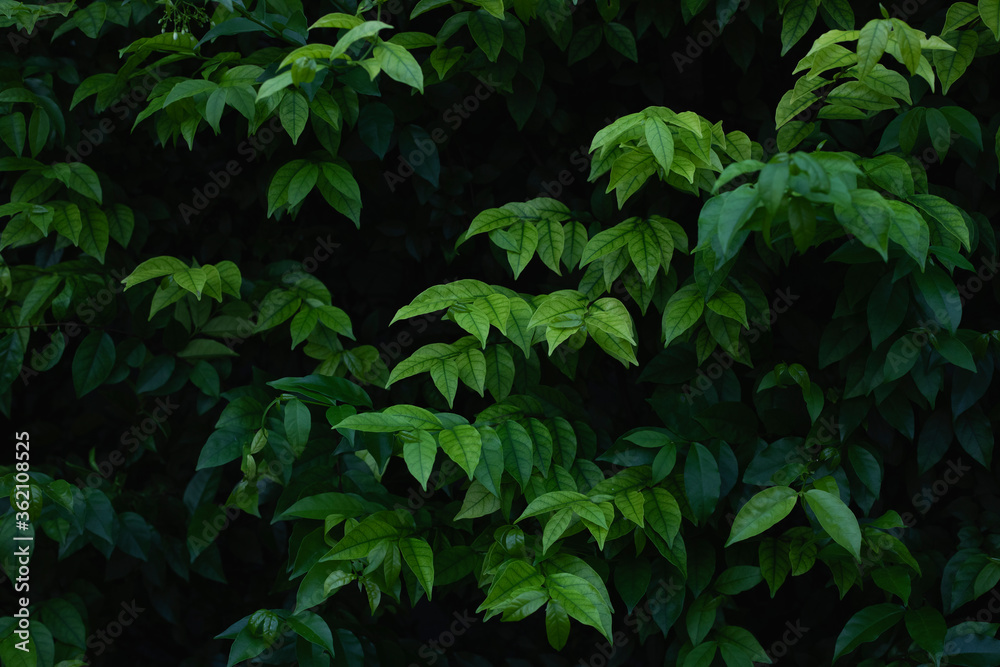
959,14
551,243
487,32
555,527
419,456
739,640
375,123
518,453
67,221
340,190
394,418
520,241
629,172
865,626
93,362
419,557
399,64
975,433
631,505
940,295
38,130
797,17
189,88
702,482
191,279
121,223
65,622
478,502
94,232
701,616
500,371
14,131
989,10
868,218
556,625
761,512
359,32
947,215
737,579
973,650
872,41
611,316
607,241
512,577
729,304
662,514
337,20
927,628
246,646
681,312
443,59
621,39
294,114
888,82
278,305
324,389
490,219
551,502
661,141
360,540
701,655
646,253
302,325
322,505
775,564
581,600
837,519
895,580
290,184
951,65
490,469
223,446
463,444
909,230
313,629
298,423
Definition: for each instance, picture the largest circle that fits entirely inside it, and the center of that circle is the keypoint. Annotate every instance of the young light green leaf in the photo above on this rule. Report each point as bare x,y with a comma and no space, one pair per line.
478,502
463,444
556,625
683,309
662,513
661,141
359,541
837,519
394,418
419,456
581,600
872,40
761,512
399,64
555,527
419,557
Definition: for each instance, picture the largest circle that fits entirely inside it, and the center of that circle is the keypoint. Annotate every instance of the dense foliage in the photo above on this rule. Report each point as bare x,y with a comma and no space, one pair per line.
663,331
